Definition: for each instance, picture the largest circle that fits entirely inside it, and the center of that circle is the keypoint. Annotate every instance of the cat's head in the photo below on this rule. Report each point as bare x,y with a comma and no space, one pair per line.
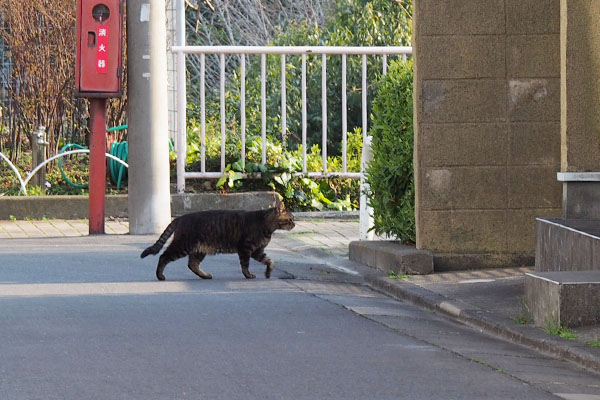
283,218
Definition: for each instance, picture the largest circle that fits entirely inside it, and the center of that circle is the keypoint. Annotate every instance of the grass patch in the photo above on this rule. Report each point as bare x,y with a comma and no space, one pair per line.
593,343
521,319
300,234
561,331
393,275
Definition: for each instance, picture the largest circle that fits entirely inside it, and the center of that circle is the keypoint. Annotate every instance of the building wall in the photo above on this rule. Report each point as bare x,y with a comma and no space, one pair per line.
487,128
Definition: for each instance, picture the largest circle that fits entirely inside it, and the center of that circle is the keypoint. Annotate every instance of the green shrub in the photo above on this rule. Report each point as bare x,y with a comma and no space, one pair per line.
390,173
281,174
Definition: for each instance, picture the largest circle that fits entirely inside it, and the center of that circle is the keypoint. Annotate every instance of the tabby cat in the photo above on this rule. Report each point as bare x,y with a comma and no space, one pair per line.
246,233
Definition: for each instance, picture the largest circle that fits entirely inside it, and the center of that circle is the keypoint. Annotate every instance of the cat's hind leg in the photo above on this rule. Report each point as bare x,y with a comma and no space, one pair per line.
170,254
194,265
245,263
260,256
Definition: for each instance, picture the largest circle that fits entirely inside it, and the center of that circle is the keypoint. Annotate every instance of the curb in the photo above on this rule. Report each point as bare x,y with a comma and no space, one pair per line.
459,310
77,207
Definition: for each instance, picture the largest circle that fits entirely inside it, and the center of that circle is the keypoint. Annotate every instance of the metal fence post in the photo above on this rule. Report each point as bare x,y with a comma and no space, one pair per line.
366,212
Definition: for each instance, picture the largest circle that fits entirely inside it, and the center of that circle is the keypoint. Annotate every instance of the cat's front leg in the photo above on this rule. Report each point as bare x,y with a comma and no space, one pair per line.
245,263
260,256
194,265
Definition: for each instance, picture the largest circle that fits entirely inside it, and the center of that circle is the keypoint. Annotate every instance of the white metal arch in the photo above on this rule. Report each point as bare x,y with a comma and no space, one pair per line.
66,153
16,171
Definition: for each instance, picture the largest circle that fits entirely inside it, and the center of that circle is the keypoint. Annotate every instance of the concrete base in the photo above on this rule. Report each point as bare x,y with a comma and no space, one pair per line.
392,256
567,245
74,207
567,299
581,191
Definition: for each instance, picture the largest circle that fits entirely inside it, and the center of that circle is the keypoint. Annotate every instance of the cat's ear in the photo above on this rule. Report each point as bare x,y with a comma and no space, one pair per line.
280,207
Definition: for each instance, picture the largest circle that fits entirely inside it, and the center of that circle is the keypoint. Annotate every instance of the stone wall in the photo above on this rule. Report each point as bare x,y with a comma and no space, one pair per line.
487,128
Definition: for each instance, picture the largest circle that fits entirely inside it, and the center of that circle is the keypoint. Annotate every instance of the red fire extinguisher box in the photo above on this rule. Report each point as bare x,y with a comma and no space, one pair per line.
99,48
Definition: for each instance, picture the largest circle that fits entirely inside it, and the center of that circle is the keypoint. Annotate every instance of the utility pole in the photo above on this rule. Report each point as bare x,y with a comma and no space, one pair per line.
149,202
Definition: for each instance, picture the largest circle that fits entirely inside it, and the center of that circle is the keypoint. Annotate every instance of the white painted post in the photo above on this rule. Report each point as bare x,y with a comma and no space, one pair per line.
344,118
263,105
181,123
364,97
181,142
366,212
243,107
180,112
283,105
324,109
304,113
202,112
222,97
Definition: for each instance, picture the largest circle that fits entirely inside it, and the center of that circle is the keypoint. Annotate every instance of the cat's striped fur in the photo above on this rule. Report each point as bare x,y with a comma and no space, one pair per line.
246,233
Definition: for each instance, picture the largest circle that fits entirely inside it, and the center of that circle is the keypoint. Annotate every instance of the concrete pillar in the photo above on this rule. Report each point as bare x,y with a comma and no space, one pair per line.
487,128
149,190
580,85
580,105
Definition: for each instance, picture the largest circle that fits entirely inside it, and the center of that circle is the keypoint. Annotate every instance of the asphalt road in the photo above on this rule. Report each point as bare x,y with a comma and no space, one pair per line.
84,318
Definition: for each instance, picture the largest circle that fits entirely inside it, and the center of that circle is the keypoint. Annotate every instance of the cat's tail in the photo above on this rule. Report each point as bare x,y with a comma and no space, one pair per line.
155,248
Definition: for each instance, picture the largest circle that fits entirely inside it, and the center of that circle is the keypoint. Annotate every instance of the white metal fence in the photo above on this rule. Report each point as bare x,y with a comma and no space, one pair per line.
282,51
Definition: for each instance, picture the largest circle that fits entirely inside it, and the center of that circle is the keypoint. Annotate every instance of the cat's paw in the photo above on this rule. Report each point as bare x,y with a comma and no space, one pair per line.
160,277
247,273
268,272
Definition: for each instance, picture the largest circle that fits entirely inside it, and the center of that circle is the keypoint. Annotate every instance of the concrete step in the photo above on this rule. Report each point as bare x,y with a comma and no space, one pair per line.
563,298
389,256
567,244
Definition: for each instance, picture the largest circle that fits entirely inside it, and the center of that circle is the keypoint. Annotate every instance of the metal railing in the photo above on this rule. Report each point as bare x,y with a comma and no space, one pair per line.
263,51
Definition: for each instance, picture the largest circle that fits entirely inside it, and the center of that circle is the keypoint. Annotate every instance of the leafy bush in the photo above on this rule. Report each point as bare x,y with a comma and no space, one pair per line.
281,174
390,173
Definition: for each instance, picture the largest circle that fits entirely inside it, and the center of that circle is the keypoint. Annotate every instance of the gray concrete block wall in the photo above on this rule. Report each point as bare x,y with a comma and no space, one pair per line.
487,127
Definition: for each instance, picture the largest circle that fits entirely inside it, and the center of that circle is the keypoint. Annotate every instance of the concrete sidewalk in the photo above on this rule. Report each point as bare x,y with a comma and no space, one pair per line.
40,228
491,300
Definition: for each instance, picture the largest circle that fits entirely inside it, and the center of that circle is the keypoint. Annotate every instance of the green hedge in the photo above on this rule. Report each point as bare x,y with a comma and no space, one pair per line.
390,173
